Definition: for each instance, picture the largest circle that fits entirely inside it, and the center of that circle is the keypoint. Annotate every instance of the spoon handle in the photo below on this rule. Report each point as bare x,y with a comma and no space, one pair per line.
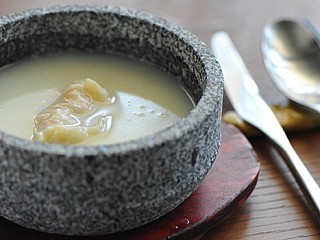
244,95
303,177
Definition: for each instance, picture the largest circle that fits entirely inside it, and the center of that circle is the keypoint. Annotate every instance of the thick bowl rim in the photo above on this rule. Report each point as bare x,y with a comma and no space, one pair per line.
196,116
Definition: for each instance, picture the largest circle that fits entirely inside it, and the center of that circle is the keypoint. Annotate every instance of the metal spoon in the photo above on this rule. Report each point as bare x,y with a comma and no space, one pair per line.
291,53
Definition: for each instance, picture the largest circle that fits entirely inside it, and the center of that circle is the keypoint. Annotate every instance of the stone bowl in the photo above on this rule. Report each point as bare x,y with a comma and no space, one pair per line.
76,190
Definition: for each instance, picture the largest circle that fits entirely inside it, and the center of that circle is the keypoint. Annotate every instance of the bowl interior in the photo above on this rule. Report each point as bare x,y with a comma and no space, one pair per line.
112,30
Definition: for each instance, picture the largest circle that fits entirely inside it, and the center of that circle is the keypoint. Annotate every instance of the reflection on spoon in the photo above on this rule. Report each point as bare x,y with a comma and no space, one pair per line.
291,53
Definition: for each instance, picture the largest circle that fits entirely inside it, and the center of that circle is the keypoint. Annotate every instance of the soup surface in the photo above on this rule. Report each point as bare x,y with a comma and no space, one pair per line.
144,100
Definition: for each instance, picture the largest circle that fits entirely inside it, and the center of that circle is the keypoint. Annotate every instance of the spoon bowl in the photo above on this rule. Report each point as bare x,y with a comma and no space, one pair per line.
291,54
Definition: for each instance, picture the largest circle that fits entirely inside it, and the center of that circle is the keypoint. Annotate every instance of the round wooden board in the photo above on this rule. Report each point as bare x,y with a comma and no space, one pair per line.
225,188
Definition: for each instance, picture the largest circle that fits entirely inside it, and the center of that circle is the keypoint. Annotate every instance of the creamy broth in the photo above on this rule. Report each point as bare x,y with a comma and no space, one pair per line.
145,100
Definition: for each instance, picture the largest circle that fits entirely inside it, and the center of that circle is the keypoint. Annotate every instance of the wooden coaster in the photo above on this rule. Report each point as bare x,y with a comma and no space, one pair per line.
225,188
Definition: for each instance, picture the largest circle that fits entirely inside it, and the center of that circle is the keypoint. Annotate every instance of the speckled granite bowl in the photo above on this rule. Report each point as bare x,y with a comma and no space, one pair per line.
96,190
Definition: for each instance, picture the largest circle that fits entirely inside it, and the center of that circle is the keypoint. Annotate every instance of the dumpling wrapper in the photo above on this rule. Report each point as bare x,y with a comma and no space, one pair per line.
69,119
